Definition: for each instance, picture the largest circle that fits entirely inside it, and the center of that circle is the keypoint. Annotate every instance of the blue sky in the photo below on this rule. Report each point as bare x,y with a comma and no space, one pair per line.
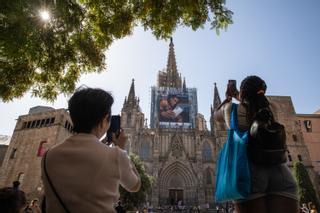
278,40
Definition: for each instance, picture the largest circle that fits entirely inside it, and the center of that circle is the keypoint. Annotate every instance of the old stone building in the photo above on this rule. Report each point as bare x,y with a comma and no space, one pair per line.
34,133
179,155
177,148
310,126
4,144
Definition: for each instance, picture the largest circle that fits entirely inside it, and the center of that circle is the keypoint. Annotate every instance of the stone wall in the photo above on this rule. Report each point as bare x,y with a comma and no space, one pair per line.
23,158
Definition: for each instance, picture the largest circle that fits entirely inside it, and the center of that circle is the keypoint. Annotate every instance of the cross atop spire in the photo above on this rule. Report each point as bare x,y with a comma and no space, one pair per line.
216,97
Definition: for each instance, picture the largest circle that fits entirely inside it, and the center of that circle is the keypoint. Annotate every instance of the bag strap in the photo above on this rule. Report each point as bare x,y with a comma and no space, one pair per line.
51,185
234,116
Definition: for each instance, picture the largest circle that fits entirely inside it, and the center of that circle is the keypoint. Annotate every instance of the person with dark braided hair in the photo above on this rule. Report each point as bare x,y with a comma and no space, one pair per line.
273,188
12,200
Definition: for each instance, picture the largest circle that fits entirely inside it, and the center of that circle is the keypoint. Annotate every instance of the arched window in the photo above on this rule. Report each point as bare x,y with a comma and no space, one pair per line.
41,149
299,157
129,119
144,151
289,156
208,177
20,177
13,153
206,152
38,123
52,120
42,122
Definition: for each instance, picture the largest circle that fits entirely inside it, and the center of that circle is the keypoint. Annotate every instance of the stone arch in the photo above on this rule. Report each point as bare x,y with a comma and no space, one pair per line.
177,176
177,168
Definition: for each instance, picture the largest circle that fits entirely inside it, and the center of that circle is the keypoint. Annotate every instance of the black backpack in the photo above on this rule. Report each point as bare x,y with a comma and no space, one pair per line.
267,140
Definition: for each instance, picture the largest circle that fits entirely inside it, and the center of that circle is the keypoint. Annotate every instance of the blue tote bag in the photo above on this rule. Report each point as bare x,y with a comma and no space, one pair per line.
233,180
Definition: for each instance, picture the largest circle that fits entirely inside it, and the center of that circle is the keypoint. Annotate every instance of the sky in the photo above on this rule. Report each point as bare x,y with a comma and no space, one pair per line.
278,40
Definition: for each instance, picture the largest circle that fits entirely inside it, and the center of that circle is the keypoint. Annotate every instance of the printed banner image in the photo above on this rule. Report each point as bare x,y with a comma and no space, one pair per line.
174,109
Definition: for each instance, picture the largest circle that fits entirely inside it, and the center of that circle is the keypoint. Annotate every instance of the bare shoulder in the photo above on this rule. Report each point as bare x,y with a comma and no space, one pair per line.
222,114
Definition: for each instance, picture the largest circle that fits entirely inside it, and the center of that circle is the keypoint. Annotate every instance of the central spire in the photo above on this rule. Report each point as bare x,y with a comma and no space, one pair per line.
172,64
170,77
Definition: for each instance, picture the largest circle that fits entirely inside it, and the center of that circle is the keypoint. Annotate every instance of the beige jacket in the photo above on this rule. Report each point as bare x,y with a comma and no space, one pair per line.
86,174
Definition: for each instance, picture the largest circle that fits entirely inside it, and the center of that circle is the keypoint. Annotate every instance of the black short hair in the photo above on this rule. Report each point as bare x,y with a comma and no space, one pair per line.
87,107
12,199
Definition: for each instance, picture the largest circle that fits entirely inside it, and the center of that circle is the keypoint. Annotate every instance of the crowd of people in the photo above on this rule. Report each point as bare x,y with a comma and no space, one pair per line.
65,167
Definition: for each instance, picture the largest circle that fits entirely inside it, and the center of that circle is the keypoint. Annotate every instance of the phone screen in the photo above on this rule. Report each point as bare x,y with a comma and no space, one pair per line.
115,125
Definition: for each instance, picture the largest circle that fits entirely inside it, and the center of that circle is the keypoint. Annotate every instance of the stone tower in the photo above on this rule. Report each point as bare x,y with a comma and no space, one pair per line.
132,119
34,133
131,115
218,130
215,105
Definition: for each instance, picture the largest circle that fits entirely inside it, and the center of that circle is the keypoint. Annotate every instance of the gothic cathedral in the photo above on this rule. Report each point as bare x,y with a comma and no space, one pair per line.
177,150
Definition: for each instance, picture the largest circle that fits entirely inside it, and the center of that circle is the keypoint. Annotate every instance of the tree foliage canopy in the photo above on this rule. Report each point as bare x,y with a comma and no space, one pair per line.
131,200
305,187
48,57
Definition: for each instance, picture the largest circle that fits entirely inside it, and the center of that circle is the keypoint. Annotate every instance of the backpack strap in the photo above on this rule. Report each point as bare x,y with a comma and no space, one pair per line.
51,185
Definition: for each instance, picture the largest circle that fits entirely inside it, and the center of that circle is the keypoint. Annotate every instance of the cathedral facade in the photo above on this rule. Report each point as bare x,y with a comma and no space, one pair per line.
177,148
179,154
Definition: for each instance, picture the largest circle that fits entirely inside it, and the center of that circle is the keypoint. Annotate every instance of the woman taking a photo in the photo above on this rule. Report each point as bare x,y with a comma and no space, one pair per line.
273,188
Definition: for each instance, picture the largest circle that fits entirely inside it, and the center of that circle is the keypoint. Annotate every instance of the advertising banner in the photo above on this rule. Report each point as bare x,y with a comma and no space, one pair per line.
173,108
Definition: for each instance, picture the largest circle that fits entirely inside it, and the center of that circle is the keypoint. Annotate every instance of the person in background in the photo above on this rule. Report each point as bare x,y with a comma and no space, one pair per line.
119,208
82,174
273,188
12,200
34,206
312,208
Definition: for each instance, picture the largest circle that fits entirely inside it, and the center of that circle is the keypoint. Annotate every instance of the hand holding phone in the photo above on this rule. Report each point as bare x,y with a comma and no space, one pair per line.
232,91
114,129
119,140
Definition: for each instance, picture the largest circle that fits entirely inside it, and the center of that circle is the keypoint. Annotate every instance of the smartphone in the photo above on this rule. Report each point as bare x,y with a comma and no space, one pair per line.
115,126
232,88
